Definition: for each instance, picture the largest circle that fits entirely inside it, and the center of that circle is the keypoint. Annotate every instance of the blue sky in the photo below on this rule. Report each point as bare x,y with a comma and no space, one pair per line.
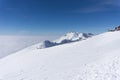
55,17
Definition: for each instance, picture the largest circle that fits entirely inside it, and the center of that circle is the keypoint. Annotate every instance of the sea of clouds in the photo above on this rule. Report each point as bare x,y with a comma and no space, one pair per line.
11,44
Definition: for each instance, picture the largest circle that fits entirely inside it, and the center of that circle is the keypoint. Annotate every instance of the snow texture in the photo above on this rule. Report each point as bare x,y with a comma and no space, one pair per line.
97,58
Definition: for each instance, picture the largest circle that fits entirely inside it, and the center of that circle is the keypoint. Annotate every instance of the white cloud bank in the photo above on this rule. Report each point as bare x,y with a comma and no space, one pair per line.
11,44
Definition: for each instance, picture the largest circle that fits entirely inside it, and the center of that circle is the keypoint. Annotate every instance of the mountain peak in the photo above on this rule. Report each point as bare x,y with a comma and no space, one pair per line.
67,38
71,34
74,36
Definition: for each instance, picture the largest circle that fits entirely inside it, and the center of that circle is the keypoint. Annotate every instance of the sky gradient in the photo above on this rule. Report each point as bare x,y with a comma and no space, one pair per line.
54,17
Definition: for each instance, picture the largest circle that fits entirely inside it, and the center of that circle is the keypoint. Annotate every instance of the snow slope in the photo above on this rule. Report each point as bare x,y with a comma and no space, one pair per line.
97,58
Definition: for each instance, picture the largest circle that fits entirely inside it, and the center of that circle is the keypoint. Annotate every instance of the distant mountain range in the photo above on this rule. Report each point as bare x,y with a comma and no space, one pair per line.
67,38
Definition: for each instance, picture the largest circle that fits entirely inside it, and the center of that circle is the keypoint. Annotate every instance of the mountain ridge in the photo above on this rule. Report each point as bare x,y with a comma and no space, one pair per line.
67,38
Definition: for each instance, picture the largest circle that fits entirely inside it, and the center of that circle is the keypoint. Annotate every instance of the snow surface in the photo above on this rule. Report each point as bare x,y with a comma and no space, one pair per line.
97,58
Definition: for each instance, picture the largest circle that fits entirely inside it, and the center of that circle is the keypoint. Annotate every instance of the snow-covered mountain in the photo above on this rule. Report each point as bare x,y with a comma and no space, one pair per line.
45,44
97,58
73,36
67,38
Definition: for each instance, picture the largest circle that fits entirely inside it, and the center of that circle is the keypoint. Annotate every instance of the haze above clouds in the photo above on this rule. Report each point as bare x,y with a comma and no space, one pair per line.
11,44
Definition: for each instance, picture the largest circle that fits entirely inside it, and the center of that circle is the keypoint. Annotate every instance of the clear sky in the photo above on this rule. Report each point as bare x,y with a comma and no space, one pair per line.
44,17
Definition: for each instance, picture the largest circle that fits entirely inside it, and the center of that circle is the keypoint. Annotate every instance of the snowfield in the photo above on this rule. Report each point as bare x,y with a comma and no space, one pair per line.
97,58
